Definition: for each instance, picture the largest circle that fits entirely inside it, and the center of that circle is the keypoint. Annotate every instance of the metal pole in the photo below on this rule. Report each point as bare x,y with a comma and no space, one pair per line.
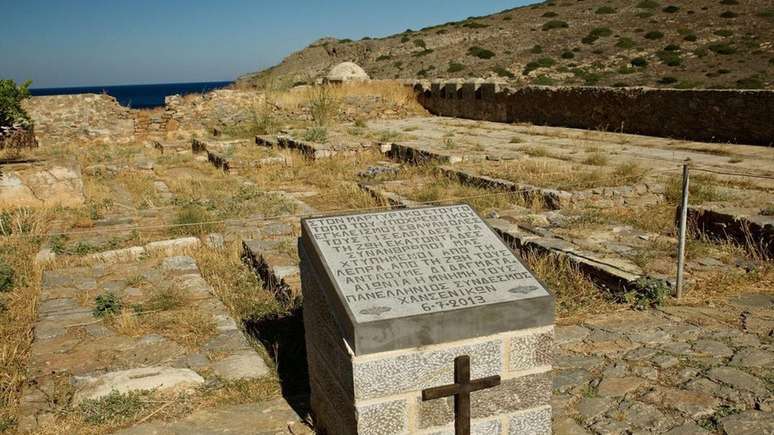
682,229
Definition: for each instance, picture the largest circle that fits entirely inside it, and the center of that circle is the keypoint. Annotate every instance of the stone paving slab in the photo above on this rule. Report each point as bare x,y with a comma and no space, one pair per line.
265,418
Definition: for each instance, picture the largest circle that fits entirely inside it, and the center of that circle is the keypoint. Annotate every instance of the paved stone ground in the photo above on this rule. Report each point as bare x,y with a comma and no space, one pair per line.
182,339
678,370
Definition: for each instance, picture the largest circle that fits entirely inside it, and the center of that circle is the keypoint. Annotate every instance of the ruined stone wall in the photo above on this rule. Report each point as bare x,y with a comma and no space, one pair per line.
80,118
739,116
203,112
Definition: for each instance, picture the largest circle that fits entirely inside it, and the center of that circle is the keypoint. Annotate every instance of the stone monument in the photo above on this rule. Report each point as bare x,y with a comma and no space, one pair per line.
423,321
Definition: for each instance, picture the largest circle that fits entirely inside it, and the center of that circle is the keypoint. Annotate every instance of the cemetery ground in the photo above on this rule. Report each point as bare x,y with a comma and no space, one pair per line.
165,295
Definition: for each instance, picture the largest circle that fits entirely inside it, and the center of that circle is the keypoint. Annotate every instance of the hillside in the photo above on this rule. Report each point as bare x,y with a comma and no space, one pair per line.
683,43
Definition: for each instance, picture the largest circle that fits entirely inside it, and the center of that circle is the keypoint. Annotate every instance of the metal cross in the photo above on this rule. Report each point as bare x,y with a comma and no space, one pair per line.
461,389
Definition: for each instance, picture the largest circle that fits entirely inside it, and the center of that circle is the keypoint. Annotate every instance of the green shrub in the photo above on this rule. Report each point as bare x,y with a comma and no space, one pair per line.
672,47
729,2
555,24
537,49
766,13
649,293
589,39
724,32
345,41
404,39
671,9
669,58
645,14
502,72
383,57
106,304
603,10
602,32
626,70
475,25
455,67
666,80
568,55
729,14
549,14
316,134
480,53
543,80
6,277
722,49
653,35
625,43
424,52
690,37
543,62
639,62
11,96
507,18
750,83
648,4
419,42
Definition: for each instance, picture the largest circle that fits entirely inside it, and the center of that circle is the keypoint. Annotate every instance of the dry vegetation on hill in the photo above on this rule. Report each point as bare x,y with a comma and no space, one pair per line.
675,43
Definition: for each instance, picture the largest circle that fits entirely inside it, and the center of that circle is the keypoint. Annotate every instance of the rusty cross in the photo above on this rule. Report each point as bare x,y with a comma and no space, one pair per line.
461,389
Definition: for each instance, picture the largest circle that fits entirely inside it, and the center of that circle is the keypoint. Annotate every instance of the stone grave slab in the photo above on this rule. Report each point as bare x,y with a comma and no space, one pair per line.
391,299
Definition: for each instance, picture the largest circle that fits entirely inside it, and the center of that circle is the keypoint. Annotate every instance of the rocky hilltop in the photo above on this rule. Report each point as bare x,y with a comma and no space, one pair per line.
684,44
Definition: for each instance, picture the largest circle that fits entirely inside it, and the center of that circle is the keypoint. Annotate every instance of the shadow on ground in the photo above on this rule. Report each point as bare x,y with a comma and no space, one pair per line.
283,337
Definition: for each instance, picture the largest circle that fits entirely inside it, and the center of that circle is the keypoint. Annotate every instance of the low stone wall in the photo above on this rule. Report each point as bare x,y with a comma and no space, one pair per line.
95,118
739,116
80,118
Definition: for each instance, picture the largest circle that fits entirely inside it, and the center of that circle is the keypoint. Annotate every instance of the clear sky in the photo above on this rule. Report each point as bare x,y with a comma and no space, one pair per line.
103,42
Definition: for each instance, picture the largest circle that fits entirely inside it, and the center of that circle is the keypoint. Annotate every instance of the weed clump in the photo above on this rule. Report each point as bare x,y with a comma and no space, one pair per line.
639,62
316,134
115,407
605,10
671,9
649,293
192,220
107,304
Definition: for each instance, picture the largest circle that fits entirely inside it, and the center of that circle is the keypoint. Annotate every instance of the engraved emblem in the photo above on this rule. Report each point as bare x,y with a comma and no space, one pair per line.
375,311
524,289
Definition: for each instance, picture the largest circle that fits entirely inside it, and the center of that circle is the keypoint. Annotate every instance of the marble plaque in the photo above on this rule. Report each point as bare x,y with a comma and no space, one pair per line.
414,262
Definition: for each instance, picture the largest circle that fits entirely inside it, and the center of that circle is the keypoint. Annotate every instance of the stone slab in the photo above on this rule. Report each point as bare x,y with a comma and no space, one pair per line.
408,278
124,381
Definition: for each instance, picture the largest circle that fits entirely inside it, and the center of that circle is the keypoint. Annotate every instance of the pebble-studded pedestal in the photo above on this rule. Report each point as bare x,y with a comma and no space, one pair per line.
391,298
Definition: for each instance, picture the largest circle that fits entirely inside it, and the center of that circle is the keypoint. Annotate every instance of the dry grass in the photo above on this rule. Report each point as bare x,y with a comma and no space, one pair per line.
235,283
389,91
439,189
575,294
18,306
550,173
116,411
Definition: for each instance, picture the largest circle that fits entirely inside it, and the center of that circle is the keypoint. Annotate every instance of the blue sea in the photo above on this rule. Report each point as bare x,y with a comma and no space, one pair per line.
137,96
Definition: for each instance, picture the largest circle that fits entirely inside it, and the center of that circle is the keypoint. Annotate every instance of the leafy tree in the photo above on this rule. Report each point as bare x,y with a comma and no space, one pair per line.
11,96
